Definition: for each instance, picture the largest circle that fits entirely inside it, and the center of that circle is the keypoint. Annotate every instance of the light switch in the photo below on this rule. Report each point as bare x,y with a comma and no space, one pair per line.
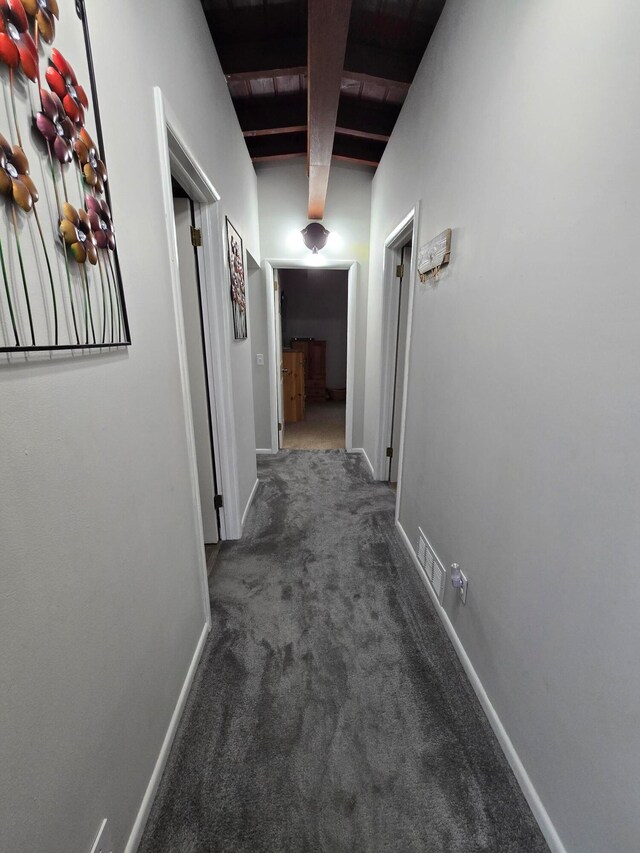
259,359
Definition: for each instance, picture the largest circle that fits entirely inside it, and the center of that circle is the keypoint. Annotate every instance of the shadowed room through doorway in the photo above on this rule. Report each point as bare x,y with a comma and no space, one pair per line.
313,308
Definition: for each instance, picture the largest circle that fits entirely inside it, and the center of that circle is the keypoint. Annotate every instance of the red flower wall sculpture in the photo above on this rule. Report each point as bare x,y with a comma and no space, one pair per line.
101,224
17,48
14,176
75,229
45,12
56,126
63,81
93,169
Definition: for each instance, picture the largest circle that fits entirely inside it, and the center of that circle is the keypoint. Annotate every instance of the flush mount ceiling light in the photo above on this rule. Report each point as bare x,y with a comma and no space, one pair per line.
315,236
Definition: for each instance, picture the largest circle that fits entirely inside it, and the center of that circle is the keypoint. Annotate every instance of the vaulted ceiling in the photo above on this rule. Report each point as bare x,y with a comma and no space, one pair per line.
321,79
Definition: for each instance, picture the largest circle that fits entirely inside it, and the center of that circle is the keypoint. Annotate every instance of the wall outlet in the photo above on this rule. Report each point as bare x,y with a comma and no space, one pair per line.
103,844
462,591
260,359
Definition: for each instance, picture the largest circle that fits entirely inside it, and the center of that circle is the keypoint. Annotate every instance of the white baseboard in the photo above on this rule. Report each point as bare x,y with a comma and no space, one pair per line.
531,795
363,452
265,451
249,502
152,787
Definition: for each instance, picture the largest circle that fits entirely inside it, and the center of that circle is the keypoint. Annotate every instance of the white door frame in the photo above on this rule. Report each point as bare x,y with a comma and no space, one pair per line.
285,263
405,230
277,331
176,158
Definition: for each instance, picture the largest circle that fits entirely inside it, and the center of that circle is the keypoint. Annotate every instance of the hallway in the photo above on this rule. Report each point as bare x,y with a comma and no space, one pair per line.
330,712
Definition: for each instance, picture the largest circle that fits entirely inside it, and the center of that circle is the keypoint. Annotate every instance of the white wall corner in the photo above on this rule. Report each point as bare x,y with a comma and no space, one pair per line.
531,795
363,452
156,775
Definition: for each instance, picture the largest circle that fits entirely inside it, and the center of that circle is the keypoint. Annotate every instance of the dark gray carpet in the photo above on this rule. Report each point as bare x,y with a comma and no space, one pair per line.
330,712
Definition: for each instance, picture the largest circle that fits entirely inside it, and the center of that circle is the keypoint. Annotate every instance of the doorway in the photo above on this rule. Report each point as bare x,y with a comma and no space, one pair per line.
399,276
402,282
313,318
187,241
333,417
177,160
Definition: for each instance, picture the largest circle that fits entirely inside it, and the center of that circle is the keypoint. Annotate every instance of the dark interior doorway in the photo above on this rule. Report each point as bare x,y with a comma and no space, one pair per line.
314,308
190,289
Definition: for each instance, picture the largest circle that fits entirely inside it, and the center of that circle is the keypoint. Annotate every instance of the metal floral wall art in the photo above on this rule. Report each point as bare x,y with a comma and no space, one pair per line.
237,280
60,282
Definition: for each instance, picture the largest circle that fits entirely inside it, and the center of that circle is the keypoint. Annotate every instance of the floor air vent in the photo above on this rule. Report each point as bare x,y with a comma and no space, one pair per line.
433,568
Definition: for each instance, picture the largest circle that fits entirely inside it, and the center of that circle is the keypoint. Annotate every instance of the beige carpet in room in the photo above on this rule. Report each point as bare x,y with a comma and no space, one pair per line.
322,428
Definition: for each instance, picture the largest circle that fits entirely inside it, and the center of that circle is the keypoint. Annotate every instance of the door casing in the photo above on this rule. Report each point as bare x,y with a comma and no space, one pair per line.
191,297
271,265
405,231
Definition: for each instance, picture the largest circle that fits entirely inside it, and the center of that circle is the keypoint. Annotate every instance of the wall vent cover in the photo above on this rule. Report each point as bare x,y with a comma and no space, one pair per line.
434,570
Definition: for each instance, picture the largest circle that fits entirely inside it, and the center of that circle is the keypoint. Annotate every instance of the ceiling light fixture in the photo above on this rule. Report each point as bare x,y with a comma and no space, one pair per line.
315,236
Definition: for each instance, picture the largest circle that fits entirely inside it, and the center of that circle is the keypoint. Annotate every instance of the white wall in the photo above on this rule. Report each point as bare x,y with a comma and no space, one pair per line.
242,379
522,458
283,191
316,307
101,606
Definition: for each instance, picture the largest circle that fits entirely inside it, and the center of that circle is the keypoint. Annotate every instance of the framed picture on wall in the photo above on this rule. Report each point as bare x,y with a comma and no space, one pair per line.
60,282
237,282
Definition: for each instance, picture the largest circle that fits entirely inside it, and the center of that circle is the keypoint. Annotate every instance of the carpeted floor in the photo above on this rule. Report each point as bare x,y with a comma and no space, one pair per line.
322,428
330,712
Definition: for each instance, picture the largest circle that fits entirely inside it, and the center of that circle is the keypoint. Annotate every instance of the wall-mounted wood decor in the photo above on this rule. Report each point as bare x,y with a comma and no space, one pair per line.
434,255
60,283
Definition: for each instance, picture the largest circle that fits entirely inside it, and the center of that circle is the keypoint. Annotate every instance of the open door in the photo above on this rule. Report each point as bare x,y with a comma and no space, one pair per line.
402,281
280,365
198,380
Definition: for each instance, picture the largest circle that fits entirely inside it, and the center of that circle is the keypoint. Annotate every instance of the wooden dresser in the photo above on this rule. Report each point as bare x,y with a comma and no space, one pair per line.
315,369
293,386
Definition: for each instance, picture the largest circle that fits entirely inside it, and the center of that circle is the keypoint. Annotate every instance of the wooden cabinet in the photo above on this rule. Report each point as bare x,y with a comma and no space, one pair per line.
293,390
315,367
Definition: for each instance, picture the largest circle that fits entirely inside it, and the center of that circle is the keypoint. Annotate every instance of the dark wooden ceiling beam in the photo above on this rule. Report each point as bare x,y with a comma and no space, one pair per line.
271,158
375,80
358,150
327,42
265,116
280,146
274,131
359,117
288,114
263,74
355,161
362,134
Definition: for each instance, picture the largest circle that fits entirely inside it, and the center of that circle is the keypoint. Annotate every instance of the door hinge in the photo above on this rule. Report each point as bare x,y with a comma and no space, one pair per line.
218,502
279,426
196,237
400,271
390,452
275,285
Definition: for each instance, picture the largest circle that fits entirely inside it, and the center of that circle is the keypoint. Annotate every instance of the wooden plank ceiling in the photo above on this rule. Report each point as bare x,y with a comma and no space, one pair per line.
323,79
